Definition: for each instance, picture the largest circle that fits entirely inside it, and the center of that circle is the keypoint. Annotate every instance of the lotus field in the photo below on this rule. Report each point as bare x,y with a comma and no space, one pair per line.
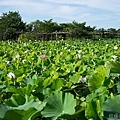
60,80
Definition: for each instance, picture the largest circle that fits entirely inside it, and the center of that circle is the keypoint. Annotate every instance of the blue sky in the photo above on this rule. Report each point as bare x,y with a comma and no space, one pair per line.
100,13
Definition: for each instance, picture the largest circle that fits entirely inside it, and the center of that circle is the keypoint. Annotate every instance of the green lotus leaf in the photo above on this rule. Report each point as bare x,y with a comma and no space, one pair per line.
97,79
15,100
91,111
29,114
22,91
38,105
75,78
59,104
3,110
118,87
12,115
114,66
58,83
112,104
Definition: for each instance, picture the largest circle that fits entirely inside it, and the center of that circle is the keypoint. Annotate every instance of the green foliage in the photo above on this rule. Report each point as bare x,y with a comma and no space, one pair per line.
45,26
114,66
97,79
26,37
76,80
11,25
112,104
59,104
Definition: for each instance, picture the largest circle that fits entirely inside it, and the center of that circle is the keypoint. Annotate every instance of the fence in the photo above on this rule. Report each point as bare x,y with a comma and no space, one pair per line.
63,35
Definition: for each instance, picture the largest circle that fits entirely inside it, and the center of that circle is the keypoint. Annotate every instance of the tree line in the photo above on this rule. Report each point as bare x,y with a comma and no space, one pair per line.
12,27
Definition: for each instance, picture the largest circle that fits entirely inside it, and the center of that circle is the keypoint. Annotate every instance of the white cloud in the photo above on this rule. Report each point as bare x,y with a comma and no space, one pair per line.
94,12
64,11
17,3
28,8
12,2
112,5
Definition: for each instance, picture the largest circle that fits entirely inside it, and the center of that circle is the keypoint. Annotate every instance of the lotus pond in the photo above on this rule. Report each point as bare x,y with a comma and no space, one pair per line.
60,80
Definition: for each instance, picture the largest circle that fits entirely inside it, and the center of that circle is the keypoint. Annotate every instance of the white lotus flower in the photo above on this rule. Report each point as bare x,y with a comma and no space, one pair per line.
11,75
50,52
26,51
68,50
115,47
83,80
67,44
114,56
44,68
23,61
65,48
106,45
33,90
79,51
78,56
92,53
7,62
91,119
61,53
16,57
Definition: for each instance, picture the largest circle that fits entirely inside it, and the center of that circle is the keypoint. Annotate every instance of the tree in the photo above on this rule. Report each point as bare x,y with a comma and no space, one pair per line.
112,33
78,29
45,26
43,29
11,25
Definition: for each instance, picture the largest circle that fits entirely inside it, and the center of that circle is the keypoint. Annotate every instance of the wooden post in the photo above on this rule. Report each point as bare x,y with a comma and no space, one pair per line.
51,36
56,35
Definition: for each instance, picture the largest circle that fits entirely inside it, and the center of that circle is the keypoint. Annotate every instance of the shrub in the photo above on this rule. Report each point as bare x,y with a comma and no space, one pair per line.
26,37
